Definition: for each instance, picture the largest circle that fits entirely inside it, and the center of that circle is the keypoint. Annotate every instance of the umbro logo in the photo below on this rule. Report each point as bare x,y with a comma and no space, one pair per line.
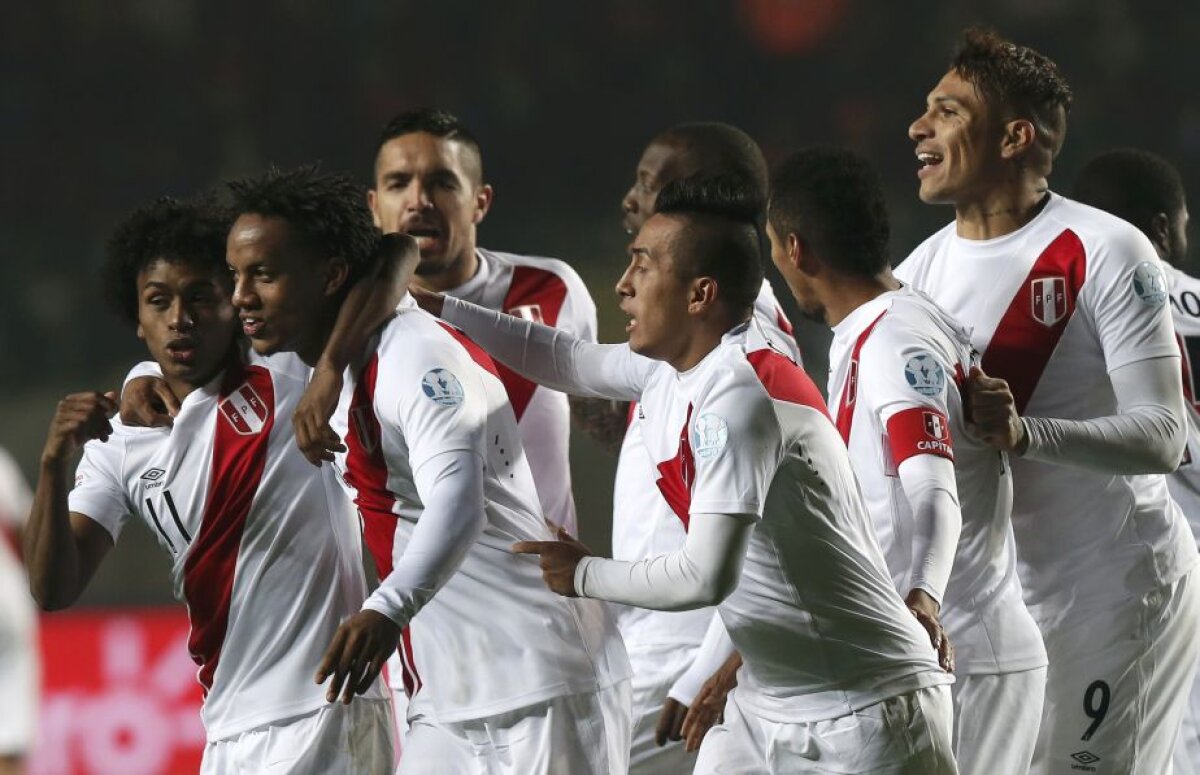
1085,759
153,475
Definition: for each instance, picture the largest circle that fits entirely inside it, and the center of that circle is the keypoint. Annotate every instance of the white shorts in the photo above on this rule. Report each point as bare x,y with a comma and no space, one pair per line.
655,671
1118,684
335,738
1187,749
580,734
904,735
996,720
20,672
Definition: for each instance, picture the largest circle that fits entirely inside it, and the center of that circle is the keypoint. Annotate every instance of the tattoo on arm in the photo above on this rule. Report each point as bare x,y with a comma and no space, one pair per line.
602,419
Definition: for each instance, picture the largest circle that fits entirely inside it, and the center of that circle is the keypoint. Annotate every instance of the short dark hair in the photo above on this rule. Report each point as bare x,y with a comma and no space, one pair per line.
191,232
438,123
328,210
832,200
723,241
1020,82
715,148
1132,184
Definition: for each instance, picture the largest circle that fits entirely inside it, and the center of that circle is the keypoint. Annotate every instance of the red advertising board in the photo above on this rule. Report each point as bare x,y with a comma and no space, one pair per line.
120,694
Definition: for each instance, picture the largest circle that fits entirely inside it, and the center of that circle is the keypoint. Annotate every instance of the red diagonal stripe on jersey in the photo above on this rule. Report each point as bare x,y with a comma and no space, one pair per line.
784,380
477,353
677,475
237,467
367,473
544,291
1022,346
782,321
845,412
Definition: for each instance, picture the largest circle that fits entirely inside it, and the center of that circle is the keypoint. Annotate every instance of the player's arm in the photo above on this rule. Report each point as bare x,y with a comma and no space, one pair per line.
451,487
62,548
368,305
1146,436
705,686
546,355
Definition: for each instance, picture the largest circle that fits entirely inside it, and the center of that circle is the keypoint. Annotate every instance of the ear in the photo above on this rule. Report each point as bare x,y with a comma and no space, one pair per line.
1019,136
141,332
483,203
1160,233
336,272
373,203
801,256
703,295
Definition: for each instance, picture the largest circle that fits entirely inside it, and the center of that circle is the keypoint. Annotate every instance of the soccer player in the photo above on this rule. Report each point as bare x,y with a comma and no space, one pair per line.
662,645
503,675
940,499
837,674
264,546
1080,383
1144,189
19,671
429,182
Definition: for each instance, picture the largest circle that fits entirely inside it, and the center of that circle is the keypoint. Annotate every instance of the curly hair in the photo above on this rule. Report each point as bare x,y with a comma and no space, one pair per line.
1019,81
721,149
438,123
723,240
172,230
1132,184
832,199
329,211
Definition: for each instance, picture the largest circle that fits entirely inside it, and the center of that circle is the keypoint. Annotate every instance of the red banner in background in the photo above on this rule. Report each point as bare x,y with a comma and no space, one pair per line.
119,694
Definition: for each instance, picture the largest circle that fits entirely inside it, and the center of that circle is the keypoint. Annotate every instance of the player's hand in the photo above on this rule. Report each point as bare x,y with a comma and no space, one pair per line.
670,722
360,647
708,709
78,418
993,412
310,420
926,609
427,300
559,560
147,402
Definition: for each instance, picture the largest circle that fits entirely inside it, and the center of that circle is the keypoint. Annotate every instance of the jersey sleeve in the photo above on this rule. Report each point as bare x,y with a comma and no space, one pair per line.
15,495
1126,300
737,445
98,493
906,385
442,406
578,316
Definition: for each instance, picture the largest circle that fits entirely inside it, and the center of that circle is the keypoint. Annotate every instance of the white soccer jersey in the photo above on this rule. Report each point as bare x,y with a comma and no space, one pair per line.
895,366
544,290
644,525
15,500
1184,484
494,638
1054,307
265,547
819,625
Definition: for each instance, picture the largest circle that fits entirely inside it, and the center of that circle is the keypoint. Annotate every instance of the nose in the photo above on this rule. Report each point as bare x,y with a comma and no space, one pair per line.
624,286
181,316
244,296
629,203
919,130
417,197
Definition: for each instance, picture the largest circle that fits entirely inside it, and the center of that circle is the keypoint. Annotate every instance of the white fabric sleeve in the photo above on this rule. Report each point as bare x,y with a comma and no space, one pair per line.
99,493
1147,436
930,487
143,369
451,487
552,357
15,496
715,649
702,573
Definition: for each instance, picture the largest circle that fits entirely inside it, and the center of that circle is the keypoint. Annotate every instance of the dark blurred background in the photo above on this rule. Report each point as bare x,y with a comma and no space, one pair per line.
104,106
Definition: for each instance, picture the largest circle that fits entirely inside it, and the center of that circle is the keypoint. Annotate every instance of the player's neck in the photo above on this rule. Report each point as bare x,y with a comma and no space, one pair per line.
703,340
454,275
310,348
847,294
1002,210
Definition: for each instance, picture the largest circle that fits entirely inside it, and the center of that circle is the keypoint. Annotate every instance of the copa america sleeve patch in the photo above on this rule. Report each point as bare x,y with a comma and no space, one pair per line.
709,434
442,387
1149,283
919,431
924,374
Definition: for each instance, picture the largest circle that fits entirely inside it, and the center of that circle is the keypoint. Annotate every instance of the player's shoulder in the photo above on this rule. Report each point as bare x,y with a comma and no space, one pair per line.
754,370
1106,239
534,275
923,252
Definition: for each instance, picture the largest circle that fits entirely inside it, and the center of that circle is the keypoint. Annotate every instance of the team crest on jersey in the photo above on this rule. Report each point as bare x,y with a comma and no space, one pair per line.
1149,283
1048,300
709,434
245,410
935,425
925,375
442,387
366,427
532,312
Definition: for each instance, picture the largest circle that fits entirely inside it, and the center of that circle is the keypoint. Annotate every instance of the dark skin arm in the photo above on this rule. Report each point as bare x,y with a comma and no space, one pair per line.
370,303
603,419
709,706
926,609
358,651
62,548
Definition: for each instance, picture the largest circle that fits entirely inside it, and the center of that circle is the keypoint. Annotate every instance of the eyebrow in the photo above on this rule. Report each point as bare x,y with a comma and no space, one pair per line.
941,100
